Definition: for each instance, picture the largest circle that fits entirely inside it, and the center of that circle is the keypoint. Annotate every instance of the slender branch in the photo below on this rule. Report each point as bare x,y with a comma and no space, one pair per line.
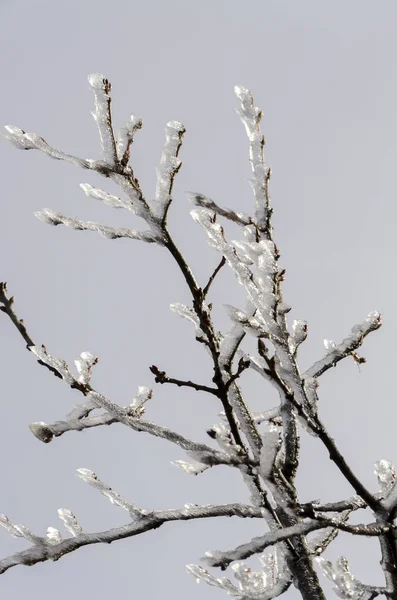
354,503
214,274
346,348
43,551
162,377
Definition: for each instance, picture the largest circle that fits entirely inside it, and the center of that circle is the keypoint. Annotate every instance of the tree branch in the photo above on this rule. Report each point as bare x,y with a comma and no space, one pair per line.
43,550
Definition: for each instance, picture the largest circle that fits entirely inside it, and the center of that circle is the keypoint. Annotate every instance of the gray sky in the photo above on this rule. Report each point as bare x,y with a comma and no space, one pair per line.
324,75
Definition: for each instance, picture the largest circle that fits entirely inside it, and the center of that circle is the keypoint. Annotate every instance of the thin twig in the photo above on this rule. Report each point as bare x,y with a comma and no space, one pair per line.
162,377
214,274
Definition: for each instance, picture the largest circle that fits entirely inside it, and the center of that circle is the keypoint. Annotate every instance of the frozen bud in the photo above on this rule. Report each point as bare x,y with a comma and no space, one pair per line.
386,474
329,345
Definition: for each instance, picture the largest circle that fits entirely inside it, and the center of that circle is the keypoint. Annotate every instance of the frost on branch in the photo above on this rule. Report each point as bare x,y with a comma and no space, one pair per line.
272,579
91,478
169,166
102,115
55,218
70,521
345,584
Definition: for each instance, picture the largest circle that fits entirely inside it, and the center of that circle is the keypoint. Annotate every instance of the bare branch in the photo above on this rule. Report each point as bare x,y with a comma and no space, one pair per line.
214,274
162,377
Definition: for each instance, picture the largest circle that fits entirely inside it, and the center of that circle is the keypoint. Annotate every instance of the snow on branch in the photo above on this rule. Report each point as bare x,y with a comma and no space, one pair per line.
47,215
251,117
346,348
53,548
169,167
103,117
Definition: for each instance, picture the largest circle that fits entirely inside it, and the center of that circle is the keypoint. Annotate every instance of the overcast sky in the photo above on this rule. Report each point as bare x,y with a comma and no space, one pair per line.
324,74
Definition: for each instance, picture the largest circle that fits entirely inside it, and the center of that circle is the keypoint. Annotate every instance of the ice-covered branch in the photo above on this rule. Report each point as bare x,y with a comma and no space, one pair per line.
336,353
31,141
92,479
204,202
251,117
127,416
345,584
126,137
169,166
48,550
353,503
216,558
108,199
103,116
273,579
55,218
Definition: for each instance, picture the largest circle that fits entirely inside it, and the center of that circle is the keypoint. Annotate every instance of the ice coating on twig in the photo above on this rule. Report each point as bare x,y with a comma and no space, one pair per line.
84,366
18,530
272,579
53,536
70,522
168,168
56,363
102,115
47,215
92,479
345,584
259,287
190,468
271,445
108,199
200,200
298,336
190,315
251,117
386,474
126,137
137,408
336,353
